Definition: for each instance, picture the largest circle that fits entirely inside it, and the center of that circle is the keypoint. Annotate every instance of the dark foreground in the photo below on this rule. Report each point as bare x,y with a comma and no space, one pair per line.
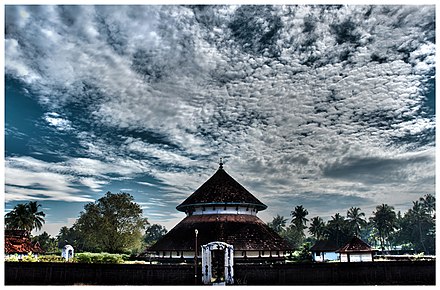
366,273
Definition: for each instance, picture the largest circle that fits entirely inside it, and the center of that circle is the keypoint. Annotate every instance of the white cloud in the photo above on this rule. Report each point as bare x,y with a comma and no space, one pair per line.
346,85
30,178
56,121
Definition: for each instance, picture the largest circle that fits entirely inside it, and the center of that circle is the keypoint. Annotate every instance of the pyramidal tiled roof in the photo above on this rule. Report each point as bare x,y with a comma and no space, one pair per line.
222,189
324,246
355,245
245,232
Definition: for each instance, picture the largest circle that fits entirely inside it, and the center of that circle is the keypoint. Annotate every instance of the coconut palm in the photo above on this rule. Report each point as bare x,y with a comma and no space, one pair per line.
278,224
25,217
299,219
428,202
336,229
37,217
317,227
384,220
18,218
420,218
356,220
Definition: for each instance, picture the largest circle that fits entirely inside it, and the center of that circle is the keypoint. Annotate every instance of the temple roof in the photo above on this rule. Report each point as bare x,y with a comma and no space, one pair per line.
222,189
245,232
19,242
324,246
355,245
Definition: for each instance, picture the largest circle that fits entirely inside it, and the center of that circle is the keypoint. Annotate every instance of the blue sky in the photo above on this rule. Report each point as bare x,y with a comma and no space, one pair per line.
327,107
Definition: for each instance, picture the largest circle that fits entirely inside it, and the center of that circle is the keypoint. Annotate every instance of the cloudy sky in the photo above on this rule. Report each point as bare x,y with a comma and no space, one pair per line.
327,107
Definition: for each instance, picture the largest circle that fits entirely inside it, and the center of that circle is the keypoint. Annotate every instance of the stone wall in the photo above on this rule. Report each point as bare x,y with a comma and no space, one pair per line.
365,273
41,273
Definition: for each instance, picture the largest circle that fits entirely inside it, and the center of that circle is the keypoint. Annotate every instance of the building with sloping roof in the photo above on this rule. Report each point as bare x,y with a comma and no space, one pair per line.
221,210
324,251
356,250
18,242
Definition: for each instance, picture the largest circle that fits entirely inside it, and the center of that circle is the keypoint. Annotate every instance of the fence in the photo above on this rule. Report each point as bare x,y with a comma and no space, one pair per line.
366,273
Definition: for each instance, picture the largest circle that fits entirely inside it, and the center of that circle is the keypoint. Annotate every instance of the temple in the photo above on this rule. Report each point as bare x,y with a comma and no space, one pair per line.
221,221
18,243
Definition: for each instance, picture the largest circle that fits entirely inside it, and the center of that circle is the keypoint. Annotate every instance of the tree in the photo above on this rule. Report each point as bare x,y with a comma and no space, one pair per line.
278,224
47,243
356,220
72,236
337,229
293,236
317,227
37,217
420,227
25,217
112,224
299,219
384,220
428,203
153,233
295,232
63,237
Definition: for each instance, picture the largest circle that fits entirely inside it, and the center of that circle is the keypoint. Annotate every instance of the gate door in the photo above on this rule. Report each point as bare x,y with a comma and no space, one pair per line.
217,263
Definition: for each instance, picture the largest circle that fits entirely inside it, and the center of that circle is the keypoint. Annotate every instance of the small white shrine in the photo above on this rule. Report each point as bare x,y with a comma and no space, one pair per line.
67,252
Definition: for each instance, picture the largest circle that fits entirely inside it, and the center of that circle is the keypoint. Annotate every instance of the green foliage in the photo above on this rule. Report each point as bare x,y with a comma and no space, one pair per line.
153,233
72,236
13,258
100,258
293,236
303,254
338,230
278,224
356,220
415,230
51,258
47,243
384,220
299,219
417,226
29,258
317,227
25,217
114,224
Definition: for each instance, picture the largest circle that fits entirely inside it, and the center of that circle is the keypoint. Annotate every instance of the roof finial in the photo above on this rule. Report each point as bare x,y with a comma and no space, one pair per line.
221,163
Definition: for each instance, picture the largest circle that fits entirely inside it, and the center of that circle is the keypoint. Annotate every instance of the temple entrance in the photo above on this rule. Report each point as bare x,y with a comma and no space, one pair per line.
217,263
218,266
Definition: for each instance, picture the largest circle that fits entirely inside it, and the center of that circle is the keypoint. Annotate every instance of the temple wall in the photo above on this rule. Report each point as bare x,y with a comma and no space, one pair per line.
365,273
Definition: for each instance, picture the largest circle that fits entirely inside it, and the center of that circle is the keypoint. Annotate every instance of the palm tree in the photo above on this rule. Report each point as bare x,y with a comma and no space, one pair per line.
299,219
384,220
37,217
428,202
420,217
317,227
335,228
277,224
356,220
25,217
18,218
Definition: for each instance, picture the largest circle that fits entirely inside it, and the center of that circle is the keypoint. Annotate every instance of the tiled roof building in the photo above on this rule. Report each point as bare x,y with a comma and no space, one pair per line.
356,250
19,242
324,250
222,210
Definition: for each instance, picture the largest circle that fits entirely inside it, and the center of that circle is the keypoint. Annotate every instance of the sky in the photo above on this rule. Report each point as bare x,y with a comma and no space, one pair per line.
325,106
